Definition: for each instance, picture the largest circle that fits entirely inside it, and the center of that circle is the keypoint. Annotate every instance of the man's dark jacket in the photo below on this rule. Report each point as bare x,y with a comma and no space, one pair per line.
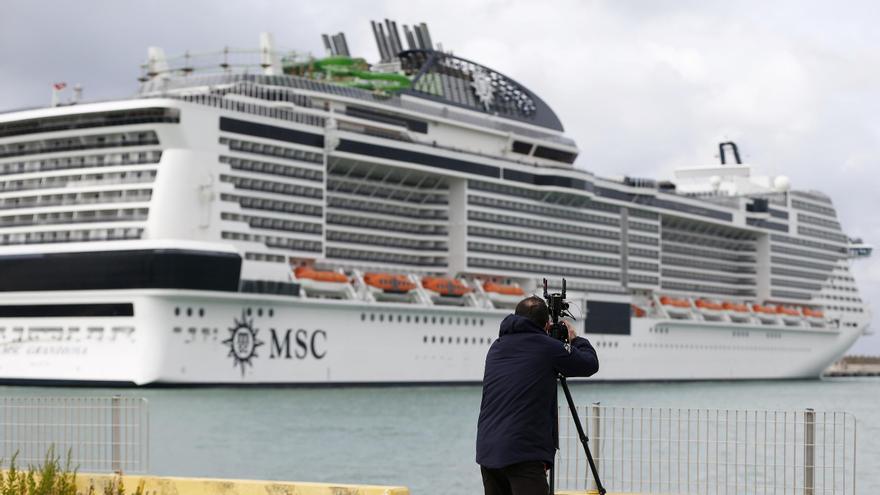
518,412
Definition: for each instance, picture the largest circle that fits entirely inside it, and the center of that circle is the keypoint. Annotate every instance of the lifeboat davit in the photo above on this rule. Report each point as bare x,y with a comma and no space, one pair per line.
447,287
677,308
389,282
310,273
502,295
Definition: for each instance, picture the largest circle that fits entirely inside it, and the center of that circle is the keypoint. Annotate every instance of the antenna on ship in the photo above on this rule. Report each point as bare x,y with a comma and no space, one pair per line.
269,59
722,154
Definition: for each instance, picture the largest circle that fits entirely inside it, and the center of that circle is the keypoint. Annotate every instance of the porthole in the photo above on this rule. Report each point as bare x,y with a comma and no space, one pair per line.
425,339
372,317
201,312
433,339
441,339
363,316
399,318
416,317
407,318
458,320
177,311
249,311
271,313
189,311
260,312
458,340
433,320
482,322
381,317
441,320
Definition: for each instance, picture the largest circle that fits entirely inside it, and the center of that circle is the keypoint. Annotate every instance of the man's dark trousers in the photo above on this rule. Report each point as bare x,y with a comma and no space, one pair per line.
525,478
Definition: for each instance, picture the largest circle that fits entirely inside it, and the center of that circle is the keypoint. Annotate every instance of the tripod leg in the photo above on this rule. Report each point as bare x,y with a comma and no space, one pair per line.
583,436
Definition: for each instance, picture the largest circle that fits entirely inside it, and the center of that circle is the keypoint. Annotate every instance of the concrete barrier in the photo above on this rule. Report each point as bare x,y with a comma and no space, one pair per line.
155,485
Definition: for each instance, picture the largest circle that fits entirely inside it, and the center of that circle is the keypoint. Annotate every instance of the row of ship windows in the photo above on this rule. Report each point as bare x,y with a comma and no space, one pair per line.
642,279
71,236
249,202
385,225
776,248
812,244
702,347
799,263
544,254
707,265
272,187
87,161
542,225
845,298
499,264
270,223
709,289
546,211
384,257
271,258
780,282
274,241
848,309
843,288
387,208
576,201
699,240
717,232
797,273
379,240
705,253
77,143
831,224
129,116
844,278
417,194
125,196
707,277
456,340
644,253
78,180
272,150
803,205
534,238
647,227
790,294
821,234
79,216
282,170
423,319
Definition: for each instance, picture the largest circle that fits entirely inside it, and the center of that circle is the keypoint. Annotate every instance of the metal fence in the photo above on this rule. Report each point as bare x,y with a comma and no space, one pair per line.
101,434
710,451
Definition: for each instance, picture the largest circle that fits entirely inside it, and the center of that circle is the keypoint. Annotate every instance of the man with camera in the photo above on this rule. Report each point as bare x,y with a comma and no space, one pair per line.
516,432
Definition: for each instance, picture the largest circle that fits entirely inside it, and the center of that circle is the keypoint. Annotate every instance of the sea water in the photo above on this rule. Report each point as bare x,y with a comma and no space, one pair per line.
420,437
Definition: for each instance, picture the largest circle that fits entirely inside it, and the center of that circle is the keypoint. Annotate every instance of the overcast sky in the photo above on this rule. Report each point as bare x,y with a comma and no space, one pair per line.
643,86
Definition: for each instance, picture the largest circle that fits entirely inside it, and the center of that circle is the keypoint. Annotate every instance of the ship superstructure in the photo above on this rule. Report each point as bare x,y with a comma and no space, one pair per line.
303,220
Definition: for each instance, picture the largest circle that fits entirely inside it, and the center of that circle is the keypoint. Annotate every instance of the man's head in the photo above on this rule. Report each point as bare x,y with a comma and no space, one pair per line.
535,310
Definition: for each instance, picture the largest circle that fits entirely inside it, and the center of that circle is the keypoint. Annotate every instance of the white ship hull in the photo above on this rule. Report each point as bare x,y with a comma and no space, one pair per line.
303,342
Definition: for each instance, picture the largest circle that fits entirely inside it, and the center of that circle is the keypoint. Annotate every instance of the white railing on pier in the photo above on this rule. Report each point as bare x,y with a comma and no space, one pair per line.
710,451
101,434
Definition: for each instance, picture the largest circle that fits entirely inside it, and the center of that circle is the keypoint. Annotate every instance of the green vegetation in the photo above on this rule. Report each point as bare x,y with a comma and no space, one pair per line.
347,71
51,478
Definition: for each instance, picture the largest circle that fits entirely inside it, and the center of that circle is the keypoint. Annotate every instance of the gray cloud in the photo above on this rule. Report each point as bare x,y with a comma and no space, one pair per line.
644,87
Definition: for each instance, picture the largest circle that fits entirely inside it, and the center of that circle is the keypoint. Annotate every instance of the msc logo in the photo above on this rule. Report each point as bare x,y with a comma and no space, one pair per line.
243,342
284,344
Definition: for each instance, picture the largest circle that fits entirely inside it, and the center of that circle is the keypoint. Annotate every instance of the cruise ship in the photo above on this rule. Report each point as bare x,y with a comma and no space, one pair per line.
272,217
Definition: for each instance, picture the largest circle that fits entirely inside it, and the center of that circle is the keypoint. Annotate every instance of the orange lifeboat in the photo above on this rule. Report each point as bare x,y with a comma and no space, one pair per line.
319,276
389,282
770,310
704,304
445,286
787,311
813,313
677,303
637,311
739,308
507,290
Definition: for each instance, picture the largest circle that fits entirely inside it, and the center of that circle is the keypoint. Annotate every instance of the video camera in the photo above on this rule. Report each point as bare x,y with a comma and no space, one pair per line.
558,307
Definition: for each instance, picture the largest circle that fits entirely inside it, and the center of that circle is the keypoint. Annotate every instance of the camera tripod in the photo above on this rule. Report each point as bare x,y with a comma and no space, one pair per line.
559,307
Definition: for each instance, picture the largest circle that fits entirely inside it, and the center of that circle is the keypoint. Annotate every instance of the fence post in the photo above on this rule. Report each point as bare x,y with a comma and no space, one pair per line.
115,436
809,451
595,422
